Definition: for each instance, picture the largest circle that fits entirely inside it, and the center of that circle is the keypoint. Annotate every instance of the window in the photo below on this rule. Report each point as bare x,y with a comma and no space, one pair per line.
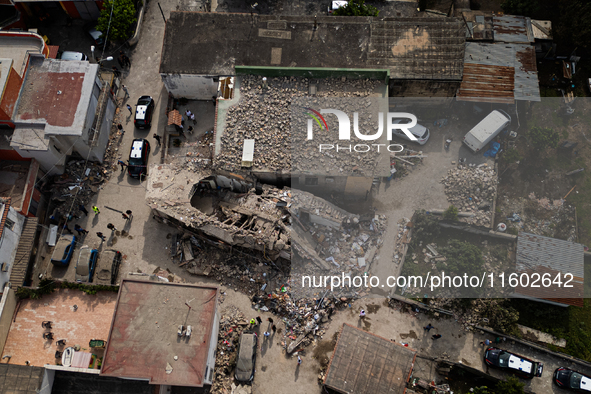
9,224
311,181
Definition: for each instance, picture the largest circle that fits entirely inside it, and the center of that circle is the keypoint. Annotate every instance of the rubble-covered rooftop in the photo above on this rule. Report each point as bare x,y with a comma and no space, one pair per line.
143,342
274,118
421,48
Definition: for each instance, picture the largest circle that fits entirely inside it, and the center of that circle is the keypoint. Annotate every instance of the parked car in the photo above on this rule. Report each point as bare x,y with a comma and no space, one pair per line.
514,363
86,264
486,130
247,354
421,132
143,112
63,251
96,36
572,380
69,55
138,158
108,267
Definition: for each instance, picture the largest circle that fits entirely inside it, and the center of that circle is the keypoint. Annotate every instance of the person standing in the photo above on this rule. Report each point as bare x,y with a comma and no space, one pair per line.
266,334
129,106
101,236
127,61
129,213
253,322
259,320
274,328
428,327
116,72
95,210
111,227
157,138
299,360
126,95
80,230
362,314
120,127
270,320
83,209
122,164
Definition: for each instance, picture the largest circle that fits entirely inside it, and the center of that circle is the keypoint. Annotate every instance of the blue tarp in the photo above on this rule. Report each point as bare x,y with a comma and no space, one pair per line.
494,148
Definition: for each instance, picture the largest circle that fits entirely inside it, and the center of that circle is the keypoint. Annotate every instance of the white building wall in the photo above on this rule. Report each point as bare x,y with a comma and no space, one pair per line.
194,87
9,242
47,159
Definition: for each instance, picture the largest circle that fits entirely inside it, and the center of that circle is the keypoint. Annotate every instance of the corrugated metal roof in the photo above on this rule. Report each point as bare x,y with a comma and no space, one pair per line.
23,252
545,255
520,57
513,29
366,363
536,250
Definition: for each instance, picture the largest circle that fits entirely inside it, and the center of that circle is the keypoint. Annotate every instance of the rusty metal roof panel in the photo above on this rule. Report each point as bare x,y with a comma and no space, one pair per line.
520,57
536,250
513,29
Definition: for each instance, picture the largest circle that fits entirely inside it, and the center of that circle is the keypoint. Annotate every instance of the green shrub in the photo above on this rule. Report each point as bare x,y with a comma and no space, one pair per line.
543,138
451,213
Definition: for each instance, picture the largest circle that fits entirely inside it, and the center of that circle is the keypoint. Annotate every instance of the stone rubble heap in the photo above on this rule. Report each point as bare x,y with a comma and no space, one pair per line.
265,115
232,323
78,185
472,190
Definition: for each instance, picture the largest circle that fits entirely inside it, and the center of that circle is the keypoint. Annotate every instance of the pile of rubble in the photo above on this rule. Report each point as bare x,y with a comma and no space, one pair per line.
540,216
327,240
306,320
78,184
471,189
232,323
403,238
266,111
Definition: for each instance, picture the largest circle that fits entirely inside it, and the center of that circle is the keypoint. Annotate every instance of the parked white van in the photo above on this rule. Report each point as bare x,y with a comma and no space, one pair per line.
487,129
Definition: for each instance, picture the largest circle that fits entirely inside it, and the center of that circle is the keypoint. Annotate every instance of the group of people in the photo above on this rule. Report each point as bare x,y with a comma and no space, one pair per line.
123,60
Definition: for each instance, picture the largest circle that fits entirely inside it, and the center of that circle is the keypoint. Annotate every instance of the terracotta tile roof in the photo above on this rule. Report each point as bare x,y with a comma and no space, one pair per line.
23,252
174,117
6,202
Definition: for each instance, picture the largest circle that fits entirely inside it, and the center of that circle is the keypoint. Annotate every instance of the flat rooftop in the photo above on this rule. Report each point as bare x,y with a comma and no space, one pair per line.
410,48
17,46
366,363
91,320
56,94
143,340
20,379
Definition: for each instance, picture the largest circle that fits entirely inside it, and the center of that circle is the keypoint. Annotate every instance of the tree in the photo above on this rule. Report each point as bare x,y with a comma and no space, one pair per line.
520,7
356,8
451,213
482,390
510,386
543,138
122,19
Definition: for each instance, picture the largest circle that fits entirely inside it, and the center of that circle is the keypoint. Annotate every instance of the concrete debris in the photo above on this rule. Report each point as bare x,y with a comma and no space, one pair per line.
540,216
472,190
265,115
232,323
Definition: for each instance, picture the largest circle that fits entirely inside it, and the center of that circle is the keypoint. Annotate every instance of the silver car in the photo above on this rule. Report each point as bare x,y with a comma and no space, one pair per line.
247,354
421,132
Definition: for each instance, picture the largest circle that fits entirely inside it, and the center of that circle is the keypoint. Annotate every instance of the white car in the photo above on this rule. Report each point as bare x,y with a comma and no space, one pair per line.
69,55
421,132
